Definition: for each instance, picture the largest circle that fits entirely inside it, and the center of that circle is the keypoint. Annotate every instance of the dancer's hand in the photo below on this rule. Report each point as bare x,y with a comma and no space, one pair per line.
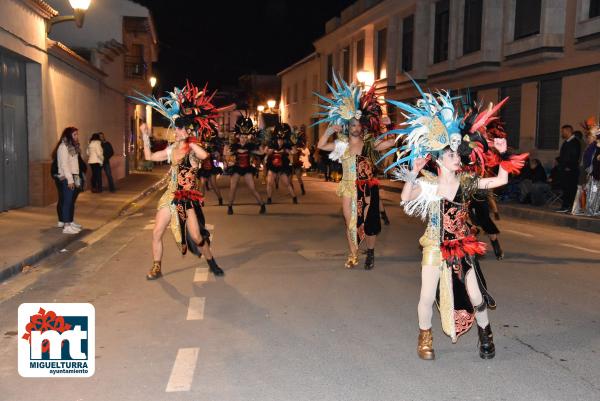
336,128
419,163
500,144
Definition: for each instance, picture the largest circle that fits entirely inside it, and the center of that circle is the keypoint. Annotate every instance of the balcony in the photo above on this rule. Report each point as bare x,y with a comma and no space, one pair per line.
135,68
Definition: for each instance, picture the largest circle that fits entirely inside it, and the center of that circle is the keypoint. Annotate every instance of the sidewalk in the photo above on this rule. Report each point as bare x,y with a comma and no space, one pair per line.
528,212
29,234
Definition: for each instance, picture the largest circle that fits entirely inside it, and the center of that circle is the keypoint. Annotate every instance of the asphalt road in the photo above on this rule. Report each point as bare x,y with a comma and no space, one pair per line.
288,322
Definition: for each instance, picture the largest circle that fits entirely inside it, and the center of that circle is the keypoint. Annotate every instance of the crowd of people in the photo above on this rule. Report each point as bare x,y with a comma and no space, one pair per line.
574,178
69,173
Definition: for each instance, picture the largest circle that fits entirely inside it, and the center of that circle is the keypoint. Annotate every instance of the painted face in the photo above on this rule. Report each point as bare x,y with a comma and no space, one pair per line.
181,134
455,140
450,160
354,127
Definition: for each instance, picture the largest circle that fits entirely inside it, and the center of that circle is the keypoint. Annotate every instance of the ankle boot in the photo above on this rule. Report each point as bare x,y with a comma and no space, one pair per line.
370,261
230,209
263,209
155,272
487,350
214,268
497,249
385,219
269,201
295,200
302,189
425,345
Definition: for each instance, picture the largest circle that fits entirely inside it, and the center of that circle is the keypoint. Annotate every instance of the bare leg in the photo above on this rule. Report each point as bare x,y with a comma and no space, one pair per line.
215,187
371,241
287,183
233,184
250,183
430,276
163,218
194,230
476,298
270,183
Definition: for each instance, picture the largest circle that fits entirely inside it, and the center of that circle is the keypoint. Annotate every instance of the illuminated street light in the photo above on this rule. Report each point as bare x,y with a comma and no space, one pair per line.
260,108
271,103
79,8
365,78
152,81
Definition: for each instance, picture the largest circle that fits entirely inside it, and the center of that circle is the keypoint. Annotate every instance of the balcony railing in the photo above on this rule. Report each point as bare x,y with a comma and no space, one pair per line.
135,68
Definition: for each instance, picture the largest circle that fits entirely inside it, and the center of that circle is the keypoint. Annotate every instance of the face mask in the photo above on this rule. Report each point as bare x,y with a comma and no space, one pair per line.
455,140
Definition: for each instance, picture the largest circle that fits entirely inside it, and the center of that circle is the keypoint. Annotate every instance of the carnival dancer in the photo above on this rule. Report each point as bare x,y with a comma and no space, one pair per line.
450,264
209,170
299,142
354,119
278,160
190,111
243,151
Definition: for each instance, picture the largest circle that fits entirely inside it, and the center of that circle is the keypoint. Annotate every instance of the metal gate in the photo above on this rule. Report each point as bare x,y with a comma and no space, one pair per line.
14,177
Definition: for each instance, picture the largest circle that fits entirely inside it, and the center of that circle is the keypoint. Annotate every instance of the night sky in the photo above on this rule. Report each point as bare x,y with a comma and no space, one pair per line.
218,41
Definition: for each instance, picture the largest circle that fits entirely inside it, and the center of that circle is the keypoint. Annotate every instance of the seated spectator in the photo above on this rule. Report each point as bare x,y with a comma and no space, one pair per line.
554,180
534,186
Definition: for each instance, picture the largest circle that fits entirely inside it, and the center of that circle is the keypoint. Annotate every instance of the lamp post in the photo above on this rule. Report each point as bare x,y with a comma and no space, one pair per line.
79,8
271,103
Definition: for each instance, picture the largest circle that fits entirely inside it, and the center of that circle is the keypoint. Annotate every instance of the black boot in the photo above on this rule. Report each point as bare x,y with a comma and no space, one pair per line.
263,209
295,200
220,201
487,350
269,201
497,249
302,189
370,261
230,209
214,268
385,219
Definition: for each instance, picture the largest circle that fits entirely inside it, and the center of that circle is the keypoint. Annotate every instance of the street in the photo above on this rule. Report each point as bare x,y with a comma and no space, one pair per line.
288,322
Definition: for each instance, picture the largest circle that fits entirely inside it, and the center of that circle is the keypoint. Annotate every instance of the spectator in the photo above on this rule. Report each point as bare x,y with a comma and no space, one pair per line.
107,152
67,178
534,186
568,166
95,159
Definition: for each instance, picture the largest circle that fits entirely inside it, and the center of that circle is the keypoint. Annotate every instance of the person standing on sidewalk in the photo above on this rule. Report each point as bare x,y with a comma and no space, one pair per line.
95,160
67,178
568,164
190,111
107,152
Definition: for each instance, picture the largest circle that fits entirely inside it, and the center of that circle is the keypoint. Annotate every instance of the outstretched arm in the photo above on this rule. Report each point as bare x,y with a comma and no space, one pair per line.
385,144
199,151
502,177
159,156
412,189
323,144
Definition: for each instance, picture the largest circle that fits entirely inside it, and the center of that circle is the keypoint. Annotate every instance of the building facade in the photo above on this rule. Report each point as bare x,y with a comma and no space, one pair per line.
46,86
543,54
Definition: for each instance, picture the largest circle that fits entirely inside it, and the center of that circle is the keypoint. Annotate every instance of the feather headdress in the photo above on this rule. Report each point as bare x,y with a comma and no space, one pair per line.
342,106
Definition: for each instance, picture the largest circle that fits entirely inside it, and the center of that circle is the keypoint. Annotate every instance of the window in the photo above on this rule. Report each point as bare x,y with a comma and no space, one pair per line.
594,8
346,63
381,68
527,18
329,70
548,127
408,27
360,55
510,114
472,26
442,28
295,93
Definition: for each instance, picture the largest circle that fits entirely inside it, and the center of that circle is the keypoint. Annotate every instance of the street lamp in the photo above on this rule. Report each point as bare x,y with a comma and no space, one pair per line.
260,108
365,78
271,103
79,8
152,81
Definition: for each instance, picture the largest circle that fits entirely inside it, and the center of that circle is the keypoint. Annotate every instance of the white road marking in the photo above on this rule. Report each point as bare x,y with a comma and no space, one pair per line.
196,308
182,373
517,233
201,275
579,247
102,231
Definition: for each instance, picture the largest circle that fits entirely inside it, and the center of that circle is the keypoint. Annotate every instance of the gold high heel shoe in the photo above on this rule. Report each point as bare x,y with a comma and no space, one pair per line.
155,272
351,261
425,346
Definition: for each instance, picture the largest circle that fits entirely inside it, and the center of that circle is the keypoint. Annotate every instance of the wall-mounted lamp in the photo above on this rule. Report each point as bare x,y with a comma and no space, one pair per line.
271,103
79,8
365,78
152,81
260,108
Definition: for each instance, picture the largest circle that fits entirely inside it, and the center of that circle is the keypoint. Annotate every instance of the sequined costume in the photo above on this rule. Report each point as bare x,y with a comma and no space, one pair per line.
243,158
182,194
279,160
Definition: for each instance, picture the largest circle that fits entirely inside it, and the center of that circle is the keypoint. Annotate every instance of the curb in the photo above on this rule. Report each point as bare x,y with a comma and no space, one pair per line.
17,268
589,224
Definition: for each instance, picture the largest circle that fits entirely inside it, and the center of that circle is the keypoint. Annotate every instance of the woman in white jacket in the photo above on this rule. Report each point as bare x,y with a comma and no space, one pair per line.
66,153
95,160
